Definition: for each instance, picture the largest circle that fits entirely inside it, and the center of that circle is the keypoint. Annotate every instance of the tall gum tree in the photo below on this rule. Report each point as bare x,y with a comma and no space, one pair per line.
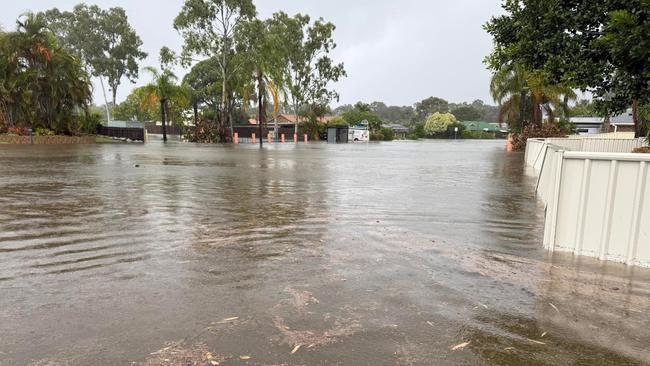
209,28
103,40
309,68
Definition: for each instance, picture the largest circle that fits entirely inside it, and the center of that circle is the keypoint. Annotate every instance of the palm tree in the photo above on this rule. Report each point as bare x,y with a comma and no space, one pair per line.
513,84
41,84
549,97
162,88
508,88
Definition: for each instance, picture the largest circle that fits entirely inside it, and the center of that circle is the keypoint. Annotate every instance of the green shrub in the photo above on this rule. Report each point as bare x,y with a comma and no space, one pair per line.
40,131
387,134
478,135
89,123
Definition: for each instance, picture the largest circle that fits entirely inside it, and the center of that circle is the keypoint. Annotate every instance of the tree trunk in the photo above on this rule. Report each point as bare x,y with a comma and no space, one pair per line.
640,128
162,115
537,112
114,95
261,117
295,110
108,112
196,113
522,109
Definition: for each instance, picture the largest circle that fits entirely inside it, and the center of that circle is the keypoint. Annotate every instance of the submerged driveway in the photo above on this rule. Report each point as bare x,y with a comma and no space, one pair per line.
405,253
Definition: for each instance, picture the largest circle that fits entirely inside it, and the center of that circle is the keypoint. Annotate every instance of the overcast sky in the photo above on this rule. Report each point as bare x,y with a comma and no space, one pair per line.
398,54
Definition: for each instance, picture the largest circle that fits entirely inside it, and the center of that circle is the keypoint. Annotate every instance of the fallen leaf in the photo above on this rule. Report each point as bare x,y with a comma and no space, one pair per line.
213,362
460,346
296,348
209,356
536,342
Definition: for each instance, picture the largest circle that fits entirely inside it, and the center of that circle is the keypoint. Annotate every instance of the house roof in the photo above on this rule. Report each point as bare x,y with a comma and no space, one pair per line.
623,118
481,126
396,127
587,120
290,118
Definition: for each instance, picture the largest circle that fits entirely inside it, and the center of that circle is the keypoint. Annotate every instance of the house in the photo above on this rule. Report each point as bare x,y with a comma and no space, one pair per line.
480,126
587,125
623,122
399,130
290,119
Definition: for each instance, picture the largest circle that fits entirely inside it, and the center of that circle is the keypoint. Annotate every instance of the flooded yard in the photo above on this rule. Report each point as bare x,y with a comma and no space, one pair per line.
405,253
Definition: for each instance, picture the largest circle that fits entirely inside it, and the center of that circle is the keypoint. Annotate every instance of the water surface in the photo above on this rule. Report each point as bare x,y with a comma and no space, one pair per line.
405,253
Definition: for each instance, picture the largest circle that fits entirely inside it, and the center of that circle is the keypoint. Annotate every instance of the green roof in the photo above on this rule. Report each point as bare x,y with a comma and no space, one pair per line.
481,126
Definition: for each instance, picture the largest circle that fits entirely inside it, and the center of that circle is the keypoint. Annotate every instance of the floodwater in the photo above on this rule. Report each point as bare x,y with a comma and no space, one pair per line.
405,253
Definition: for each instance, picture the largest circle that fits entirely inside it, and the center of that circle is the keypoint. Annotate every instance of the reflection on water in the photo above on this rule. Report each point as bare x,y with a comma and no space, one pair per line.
361,254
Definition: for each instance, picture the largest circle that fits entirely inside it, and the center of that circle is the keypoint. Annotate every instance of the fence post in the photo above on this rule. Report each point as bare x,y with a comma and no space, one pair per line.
555,202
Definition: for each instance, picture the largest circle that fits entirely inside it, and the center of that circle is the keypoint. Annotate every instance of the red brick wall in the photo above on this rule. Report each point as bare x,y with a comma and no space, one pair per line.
47,140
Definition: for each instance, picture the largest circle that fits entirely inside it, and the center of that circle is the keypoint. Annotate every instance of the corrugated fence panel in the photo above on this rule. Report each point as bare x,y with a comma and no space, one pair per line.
548,173
602,208
567,144
641,232
568,206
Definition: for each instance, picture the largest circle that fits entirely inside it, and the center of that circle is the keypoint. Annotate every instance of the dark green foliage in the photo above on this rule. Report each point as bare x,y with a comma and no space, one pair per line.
362,112
387,134
41,84
467,113
431,105
600,46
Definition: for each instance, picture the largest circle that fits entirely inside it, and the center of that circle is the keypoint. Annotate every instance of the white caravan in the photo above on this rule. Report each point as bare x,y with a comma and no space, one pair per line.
360,132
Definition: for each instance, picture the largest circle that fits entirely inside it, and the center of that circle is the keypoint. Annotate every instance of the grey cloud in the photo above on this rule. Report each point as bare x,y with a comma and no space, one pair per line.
396,52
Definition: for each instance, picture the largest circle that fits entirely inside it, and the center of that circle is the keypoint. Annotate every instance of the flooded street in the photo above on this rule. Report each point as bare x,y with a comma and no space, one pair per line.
405,253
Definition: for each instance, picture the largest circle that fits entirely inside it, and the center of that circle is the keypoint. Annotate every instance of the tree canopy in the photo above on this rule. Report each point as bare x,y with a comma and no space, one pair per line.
102,39
41,83
597,46
439,123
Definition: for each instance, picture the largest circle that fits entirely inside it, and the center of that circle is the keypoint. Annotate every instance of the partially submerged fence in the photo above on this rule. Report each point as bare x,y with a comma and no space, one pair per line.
136,134
597,203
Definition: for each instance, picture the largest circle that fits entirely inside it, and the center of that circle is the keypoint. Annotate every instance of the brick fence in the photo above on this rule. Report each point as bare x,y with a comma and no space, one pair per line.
46,140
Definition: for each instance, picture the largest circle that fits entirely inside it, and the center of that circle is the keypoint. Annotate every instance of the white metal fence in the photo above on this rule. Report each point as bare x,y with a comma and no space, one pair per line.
597,203
598,144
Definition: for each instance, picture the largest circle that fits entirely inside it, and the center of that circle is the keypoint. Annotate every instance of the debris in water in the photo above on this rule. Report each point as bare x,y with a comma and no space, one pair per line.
244,358
296,348
460,346
430,323
230,319
544,334
554,307
214,363
534,341
483,305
